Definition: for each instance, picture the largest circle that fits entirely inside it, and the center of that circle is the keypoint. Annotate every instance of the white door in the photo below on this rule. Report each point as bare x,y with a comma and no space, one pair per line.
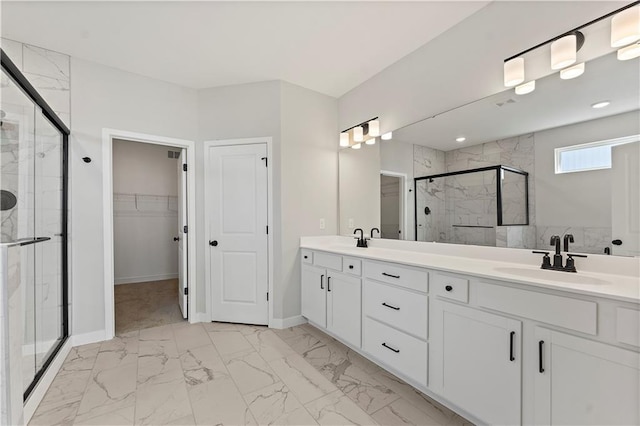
314,296
237,214
582,382
625,199
183,277
476,362
343,307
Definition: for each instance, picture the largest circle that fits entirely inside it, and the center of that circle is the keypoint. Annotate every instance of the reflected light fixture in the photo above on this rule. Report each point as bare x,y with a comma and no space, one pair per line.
461,139
564,51
387,136
525,88
344,139
625,27
358,134
513,72
629,52
356,146
572,72
374,128
600,104
371,141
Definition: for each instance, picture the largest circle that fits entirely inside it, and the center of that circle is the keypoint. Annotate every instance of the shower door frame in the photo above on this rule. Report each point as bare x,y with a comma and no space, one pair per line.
497,169
23,83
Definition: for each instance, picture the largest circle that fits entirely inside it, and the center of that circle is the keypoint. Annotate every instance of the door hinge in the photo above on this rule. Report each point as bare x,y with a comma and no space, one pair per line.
186,291
266,161
267,296
267,230
184,167
185,229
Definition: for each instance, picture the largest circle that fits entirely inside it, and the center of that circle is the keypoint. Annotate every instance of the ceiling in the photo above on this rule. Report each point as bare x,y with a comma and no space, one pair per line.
554,103
329,47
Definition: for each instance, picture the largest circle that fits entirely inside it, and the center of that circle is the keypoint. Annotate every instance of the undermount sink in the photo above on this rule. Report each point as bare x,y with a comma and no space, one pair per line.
541,274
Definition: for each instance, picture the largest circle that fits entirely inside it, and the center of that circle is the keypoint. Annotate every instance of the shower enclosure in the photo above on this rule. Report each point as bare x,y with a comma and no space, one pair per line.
466,206
33,209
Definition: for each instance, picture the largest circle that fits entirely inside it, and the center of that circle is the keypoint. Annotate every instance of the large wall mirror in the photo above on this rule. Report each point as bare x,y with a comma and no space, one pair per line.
511,170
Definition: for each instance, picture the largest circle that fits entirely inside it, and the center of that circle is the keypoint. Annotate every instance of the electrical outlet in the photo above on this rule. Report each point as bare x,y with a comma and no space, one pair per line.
351,223
322,224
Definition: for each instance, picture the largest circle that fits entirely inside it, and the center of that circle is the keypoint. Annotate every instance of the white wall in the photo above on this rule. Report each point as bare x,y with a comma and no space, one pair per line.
145,187
577,199
104,97
359,189
309,181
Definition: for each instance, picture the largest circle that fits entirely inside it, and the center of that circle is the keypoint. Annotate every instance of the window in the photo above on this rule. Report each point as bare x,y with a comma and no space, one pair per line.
588,156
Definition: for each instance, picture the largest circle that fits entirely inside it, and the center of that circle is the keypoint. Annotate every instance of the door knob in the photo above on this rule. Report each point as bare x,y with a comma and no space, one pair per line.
616,242
213,243
176,238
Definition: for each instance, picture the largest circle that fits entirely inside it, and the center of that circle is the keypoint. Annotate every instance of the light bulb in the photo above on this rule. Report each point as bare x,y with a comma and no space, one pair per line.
374,128
572,72
358,134
513,72
387,136
344,139
625,27
525,88
629,52
563,52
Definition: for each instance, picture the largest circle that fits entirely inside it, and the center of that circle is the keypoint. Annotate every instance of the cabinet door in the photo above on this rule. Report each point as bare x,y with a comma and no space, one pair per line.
475,362
579,381
344,307
314,295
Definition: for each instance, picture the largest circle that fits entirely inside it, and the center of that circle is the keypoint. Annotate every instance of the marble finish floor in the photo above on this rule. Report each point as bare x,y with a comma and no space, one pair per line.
145,305
217,373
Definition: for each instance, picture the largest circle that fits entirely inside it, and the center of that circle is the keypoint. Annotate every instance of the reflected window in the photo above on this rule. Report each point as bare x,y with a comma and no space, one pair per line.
588,156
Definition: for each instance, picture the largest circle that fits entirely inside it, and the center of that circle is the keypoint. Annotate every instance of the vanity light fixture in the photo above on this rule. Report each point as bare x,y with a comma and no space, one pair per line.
356,146
600,104
513,72
344,139
572,72
629,52
525,88
358,134
564,51
387,136
371,141
461,139
625,27
374,128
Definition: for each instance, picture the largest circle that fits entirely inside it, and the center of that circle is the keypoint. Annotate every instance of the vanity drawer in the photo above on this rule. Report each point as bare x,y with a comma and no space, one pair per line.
397,350
399,308
326,260
450,287
628,326
351,266
574,314
416,279
307,256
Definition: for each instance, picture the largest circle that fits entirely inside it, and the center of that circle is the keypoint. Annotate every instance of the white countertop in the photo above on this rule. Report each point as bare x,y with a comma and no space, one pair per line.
623,285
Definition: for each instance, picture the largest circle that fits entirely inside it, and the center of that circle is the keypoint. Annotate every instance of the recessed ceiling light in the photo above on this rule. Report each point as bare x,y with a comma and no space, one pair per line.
601,104
461,139
387,136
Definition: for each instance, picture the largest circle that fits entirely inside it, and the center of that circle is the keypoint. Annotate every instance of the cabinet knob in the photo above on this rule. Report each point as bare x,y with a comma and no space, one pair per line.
448,288
306,257
350,266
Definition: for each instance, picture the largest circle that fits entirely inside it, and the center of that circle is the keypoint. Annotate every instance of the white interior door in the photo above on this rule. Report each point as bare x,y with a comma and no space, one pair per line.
183,281
625,199
237,214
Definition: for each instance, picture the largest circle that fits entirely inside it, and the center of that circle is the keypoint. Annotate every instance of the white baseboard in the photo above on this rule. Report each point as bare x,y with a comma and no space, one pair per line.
200,317
86,338
145,278
287,322
45,381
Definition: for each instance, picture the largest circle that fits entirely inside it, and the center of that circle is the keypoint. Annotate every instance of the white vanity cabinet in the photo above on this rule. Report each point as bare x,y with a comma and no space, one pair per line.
332,299
579,381
476,361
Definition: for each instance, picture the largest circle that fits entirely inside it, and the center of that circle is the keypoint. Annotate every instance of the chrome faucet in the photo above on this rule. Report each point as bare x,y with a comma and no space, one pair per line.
362,242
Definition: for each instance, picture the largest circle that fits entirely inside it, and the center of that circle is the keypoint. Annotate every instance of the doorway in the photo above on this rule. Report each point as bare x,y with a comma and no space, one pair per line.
237,205
149,203
149,206
392,205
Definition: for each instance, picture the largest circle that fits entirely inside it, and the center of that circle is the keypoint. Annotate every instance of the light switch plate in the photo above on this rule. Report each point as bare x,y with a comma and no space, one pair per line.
350,223
322,224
